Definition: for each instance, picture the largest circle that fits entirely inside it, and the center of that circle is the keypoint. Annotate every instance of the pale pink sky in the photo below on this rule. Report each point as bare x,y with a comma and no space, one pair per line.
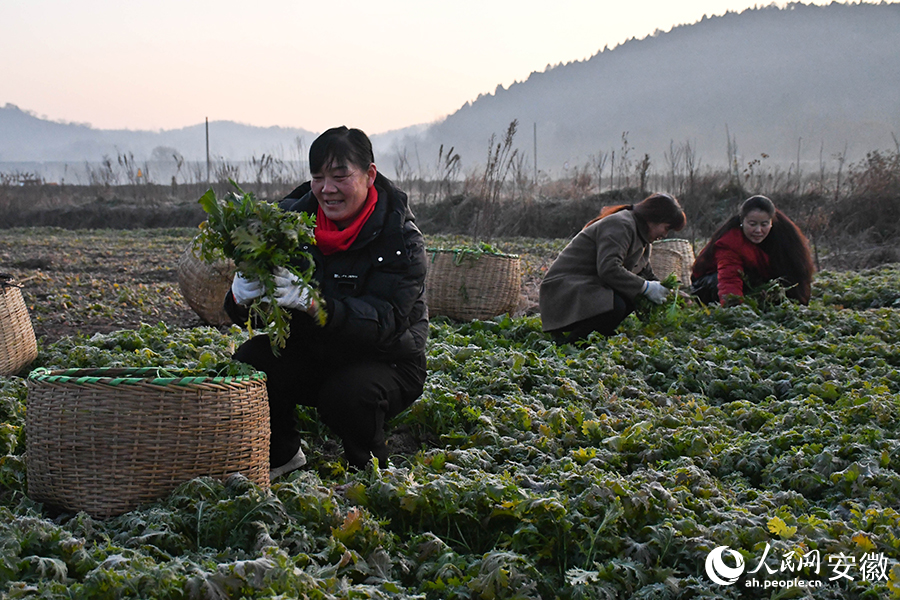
377,65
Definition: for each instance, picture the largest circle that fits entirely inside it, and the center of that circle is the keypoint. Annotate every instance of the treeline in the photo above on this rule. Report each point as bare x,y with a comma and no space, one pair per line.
851,215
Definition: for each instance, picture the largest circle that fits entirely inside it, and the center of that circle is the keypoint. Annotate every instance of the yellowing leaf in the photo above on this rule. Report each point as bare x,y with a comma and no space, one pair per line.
351,525
780,528
409,502
863,541
583,455
893,583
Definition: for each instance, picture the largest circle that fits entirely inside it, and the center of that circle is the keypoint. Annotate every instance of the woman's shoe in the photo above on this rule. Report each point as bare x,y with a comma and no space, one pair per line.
292,465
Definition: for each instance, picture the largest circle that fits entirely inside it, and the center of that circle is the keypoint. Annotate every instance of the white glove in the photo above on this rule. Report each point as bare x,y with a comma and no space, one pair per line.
656,291
290,292
245,290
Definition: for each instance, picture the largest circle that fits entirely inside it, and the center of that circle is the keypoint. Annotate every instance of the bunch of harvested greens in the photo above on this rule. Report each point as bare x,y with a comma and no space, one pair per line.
259,237
648,311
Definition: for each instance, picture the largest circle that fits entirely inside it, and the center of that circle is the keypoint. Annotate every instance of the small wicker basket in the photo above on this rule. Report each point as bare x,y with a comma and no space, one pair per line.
18,346
672,256
467,285
107,440
204,285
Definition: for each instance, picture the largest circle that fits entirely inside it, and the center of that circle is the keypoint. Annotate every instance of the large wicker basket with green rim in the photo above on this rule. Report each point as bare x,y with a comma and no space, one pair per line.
465,284
107,440
204,285
18,346
672,256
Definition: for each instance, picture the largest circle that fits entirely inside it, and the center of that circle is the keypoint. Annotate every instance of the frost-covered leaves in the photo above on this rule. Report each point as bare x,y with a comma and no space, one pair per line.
871,288
730,423
204,350
209,539
608,470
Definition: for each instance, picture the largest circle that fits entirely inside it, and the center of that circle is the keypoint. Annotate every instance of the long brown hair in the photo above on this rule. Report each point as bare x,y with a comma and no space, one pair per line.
786,246
656,208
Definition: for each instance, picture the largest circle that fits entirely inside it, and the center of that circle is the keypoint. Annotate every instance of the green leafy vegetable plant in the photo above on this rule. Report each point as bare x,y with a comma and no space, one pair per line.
667,312
762,296
260,237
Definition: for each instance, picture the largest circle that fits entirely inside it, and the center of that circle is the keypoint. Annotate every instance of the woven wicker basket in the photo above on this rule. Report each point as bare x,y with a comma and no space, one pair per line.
468,285
672,256
18,346
204,286
107,440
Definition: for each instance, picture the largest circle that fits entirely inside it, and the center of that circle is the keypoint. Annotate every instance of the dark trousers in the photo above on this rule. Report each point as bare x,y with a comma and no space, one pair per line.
354,398
604,323
706,288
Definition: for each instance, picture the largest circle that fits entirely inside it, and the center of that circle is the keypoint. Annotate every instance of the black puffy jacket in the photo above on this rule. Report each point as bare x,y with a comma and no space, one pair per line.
374,291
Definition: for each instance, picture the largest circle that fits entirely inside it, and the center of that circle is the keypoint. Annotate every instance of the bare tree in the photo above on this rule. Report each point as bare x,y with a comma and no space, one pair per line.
841,157
402,169
691,166
674,158
599,162
612,169
624,163
643,168
731,149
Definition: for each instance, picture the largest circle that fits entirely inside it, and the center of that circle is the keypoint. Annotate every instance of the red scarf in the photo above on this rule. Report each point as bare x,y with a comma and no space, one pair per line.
331,239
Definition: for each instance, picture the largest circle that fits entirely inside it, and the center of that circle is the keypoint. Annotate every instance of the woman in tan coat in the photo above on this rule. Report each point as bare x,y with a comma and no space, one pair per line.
592,284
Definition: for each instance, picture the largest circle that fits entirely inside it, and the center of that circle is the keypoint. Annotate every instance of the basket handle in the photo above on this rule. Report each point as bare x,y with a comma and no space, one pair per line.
6,280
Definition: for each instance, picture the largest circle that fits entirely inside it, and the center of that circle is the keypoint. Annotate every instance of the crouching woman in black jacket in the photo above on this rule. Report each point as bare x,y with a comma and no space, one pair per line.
367,363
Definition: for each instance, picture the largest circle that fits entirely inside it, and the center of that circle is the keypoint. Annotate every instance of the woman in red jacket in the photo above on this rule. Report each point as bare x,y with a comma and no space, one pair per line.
758,245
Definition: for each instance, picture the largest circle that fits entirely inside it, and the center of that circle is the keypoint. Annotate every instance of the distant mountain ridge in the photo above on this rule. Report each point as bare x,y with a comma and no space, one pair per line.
26,137
805,75
817,79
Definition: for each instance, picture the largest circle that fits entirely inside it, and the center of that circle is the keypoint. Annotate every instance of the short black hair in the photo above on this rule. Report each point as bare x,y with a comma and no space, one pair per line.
340,144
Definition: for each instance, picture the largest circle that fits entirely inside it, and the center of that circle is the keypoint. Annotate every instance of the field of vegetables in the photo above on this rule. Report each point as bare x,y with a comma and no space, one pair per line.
527,470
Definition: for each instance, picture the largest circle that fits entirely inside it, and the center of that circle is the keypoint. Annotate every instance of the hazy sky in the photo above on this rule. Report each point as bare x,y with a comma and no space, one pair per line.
378,65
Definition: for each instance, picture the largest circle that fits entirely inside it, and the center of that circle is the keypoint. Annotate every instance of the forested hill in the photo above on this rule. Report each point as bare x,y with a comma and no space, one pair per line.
777,79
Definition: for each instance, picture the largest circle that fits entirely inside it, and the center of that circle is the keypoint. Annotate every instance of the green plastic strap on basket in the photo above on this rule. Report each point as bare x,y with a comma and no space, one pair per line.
95,376
460,254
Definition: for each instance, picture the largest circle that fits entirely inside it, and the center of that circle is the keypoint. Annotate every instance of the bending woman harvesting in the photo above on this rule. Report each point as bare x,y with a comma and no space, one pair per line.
592,284
757,245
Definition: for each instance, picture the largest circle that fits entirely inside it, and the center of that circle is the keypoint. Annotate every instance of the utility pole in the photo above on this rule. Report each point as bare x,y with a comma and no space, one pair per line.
535,154
207,150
